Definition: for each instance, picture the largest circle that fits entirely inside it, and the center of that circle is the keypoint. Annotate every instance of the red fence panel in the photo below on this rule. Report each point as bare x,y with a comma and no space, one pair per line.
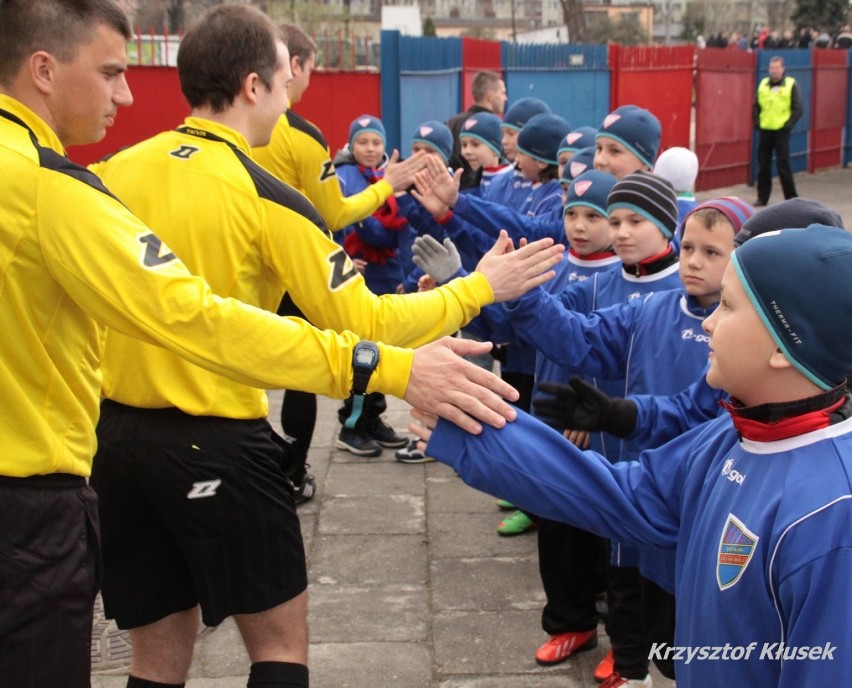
478,54
158,104
334,99
658,78
828,116
724,92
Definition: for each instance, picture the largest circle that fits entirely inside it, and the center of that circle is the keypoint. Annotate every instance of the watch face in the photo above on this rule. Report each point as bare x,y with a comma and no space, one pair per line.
364,357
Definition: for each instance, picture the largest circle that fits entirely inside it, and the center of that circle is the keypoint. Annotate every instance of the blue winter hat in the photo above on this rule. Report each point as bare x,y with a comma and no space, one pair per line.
577,140
797,280
541,135
590,189
436,135
484,126
366,123
794,212
635,128
583,161
522,110
649,195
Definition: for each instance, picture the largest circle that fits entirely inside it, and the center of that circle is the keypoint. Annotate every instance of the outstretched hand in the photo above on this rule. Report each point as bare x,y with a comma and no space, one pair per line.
439,261
444,384
400,174
512,273
581,406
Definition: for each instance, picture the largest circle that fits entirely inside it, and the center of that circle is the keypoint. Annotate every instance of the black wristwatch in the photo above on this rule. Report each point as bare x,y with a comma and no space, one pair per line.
365,358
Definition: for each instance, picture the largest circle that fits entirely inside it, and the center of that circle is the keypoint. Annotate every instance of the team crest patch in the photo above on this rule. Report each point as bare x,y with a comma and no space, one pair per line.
425,131
577,168
736,549
469,123
573,136
582,187
610,119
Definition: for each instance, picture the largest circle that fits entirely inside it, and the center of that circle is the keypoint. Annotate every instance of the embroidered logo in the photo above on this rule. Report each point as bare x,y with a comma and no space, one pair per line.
470,123
577,168
425,131
689,333
365,121
582,187
610,119
732,473
155,252
573,136
184,152
205,488
736,548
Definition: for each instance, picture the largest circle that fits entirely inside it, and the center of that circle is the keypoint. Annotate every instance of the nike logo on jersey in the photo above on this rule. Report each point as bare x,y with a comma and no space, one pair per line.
155,253
204,488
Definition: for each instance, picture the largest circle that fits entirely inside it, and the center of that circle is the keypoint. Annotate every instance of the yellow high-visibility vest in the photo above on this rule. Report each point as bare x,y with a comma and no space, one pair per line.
775,103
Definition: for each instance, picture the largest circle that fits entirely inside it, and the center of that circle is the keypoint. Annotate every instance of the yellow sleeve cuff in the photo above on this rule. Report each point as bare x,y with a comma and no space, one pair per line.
393,372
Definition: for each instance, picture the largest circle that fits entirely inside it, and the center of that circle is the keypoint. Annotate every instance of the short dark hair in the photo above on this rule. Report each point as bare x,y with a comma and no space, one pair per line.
227,44
484,81
300,44
58,27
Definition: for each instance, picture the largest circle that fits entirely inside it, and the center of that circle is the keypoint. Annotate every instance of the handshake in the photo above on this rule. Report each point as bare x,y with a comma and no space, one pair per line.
581,406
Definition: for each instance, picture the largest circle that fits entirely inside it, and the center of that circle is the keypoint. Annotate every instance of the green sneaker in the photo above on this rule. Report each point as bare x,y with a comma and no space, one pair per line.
516,523
503,504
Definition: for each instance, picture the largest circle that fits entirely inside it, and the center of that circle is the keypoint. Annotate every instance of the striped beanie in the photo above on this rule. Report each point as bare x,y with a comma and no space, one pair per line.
636,128
522,110
541,136
736,210
583,161
798,282
484,126
649,195
436,135
366,123
577,140
591,190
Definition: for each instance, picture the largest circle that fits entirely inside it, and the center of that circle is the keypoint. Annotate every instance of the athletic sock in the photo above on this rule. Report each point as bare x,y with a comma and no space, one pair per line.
278,675
136,682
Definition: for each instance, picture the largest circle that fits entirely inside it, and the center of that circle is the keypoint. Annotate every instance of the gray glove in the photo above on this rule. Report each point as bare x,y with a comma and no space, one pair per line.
438,261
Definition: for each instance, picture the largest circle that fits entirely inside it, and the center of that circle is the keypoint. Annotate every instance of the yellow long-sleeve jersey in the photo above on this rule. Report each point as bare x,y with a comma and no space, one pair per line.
299,155
72,259
251,237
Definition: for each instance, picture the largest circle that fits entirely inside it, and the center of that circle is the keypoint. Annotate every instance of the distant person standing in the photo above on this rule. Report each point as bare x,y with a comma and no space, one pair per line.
777,107
489,95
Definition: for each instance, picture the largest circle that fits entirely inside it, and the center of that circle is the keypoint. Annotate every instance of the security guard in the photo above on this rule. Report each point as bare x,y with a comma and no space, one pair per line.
777,107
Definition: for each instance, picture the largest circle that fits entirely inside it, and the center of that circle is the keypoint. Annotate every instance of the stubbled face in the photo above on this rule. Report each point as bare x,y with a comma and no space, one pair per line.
302,70
634,237
368,149
740,346
586,230
84,94
271,102
497,99
704,255
477,153
613,157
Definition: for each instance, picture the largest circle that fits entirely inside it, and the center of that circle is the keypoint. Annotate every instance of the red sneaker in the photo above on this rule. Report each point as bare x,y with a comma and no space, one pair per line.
616,681
561,646
605,668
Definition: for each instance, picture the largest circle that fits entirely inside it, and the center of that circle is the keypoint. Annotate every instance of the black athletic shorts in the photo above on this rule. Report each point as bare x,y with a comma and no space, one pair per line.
49,576
194,510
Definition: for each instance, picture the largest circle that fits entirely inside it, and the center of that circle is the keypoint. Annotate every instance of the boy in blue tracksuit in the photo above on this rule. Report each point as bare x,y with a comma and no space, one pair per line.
756,504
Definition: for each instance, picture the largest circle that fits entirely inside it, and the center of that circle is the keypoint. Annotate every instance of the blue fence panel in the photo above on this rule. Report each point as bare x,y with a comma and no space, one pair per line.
798,64
430,71
573,79
847,133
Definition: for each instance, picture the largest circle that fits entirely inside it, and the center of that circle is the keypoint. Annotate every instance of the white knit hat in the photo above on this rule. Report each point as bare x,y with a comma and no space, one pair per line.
679,166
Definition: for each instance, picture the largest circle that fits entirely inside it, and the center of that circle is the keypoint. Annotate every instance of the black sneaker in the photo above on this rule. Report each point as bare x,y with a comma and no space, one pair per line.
411,454
385,435
306,489
357,443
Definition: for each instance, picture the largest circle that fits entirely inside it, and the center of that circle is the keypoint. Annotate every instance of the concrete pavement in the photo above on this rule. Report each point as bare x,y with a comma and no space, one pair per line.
410,585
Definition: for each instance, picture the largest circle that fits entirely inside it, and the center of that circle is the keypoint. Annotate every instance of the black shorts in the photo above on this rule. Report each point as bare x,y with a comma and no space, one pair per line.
49,576
194,510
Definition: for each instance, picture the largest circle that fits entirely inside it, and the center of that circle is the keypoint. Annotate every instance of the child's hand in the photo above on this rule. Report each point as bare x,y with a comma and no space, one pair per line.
579,438
426,283
423,193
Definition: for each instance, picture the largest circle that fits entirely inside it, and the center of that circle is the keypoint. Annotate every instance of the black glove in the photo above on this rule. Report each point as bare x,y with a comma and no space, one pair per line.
580,406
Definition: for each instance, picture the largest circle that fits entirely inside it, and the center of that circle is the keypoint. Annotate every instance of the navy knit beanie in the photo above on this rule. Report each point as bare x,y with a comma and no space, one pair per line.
590,189
484,126
436,135
522,110
583,161
649,195
795,212
577,140
736,210
637,129
366,123
798,281
541,136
